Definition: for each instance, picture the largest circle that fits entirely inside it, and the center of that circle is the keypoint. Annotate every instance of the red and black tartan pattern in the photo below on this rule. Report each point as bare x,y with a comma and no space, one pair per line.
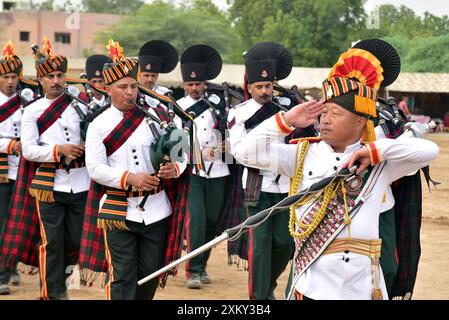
408,214
92,252
123,131
21,233
52,64
9,107
52,113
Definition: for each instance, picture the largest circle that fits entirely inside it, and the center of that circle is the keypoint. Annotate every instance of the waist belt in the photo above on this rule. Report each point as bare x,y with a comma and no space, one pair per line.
369,248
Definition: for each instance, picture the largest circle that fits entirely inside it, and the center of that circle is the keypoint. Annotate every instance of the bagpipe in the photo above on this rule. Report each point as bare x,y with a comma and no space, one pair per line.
220,114
167,147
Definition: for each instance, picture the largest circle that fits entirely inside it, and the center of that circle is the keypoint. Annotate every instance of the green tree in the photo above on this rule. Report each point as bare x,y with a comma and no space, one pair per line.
183,26
314,31
112,6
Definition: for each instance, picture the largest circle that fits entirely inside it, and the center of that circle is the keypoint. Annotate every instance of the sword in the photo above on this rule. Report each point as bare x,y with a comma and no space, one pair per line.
255,220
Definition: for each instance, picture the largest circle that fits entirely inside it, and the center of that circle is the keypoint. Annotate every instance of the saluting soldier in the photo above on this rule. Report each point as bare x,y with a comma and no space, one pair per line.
336,231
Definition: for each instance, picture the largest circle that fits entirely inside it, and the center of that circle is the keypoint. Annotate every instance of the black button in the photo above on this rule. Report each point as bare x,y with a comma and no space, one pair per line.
134,150
15,134
310,173
335,168
15,129
347,260
65,129
202,117
66,133
68,139
14,124
137,163
338,158
60,117
346,251
207,142
205,129
135,157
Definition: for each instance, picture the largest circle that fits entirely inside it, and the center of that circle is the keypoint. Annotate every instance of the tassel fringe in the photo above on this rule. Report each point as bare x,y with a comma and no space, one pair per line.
110,225
4,178
42,195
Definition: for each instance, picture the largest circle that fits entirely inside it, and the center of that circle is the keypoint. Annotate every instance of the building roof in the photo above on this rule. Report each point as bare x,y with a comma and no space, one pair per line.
304,78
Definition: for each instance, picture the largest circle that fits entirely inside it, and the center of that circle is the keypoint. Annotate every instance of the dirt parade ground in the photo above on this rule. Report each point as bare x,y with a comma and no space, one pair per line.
230,282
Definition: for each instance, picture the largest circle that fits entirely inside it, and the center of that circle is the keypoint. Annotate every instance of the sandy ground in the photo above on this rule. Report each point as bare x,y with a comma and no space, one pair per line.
230,282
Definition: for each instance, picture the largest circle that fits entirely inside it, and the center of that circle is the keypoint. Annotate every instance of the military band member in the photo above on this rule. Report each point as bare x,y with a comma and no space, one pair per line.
10,146
118,158
337,233
200,63
51,139
270,247
155,57
94,69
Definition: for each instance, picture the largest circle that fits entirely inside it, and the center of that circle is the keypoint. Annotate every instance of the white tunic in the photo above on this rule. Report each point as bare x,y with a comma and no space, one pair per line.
101,102
132,157
207,138
43,148
333,276
237,132
9,130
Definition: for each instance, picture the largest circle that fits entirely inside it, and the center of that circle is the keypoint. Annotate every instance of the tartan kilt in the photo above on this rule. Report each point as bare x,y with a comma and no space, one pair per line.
92,250
408,214
21,234
177,191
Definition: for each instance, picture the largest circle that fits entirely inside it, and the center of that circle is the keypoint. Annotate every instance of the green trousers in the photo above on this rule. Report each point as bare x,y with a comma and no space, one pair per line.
270,248
206,201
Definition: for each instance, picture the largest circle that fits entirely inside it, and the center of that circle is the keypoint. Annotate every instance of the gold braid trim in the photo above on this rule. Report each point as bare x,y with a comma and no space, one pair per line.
42,195
328,194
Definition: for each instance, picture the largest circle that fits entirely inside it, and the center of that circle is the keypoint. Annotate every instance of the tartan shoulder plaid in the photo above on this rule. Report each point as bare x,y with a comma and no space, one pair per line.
9,107
123,131
21,233
408,213
51,114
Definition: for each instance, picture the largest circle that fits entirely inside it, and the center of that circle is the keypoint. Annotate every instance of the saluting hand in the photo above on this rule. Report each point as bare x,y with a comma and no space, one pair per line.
304,114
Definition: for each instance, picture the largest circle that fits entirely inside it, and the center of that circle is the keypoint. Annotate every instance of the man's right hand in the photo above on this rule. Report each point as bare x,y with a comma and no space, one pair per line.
71,151
144,181
304,114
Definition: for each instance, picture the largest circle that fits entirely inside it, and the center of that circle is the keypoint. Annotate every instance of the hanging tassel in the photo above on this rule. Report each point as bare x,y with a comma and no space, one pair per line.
111,225
369,135
377,294
4,178
42,195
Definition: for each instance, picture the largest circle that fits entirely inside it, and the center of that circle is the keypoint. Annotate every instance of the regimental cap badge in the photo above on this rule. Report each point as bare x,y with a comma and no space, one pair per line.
148,67
193,75
264,74
98,73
